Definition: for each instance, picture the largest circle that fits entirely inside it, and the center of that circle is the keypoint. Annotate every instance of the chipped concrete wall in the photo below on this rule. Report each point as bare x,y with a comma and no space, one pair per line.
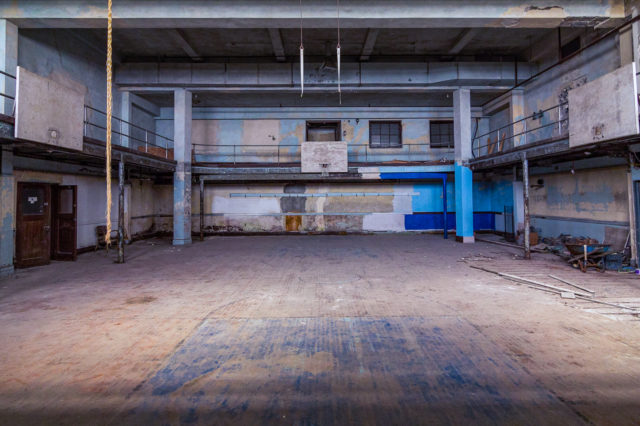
91,201
388,207
614,115
266,140
141,202
163,208
72,61
48,112
553,87
591,203
141,210
63,58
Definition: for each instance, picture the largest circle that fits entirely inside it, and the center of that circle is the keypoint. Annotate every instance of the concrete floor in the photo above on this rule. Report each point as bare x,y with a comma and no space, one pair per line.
385,329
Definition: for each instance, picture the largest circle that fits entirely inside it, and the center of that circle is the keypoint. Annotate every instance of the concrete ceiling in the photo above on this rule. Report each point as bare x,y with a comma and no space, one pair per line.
167,44
316,13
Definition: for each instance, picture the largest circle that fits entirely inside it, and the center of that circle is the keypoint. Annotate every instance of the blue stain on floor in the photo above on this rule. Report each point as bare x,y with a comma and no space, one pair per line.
343,370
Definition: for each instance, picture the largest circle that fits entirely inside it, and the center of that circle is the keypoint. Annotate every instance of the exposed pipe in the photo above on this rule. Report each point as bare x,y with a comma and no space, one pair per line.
527,218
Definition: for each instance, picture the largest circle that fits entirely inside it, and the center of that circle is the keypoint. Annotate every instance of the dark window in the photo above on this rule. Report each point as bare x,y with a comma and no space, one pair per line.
570,47
318,131
441,134
385,134
32,201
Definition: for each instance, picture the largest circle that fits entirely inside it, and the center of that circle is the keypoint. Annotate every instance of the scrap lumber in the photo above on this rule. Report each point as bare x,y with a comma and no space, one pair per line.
559,290
553,289
572,284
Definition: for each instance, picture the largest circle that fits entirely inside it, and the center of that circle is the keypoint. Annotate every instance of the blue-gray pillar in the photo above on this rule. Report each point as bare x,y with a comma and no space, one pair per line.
182,176
7,211
8,64
126,107
463,174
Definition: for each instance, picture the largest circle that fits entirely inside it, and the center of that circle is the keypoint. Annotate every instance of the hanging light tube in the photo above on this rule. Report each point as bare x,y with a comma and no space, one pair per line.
338,54
301,55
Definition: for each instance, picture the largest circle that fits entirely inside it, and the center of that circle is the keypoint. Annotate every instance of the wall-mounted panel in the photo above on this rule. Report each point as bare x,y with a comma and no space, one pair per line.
48,112
605,108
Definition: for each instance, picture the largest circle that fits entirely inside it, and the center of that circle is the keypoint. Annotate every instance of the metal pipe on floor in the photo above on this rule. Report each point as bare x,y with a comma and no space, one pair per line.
121,211
527,218
201,209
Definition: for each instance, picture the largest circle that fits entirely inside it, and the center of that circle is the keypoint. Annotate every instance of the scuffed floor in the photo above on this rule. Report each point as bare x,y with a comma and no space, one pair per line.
385,329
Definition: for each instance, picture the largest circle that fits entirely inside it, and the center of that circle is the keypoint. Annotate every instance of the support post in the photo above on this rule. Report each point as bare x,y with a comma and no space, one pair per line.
8,64
527,217
633,225
121,211
182,175
444,208
201,209
463,174
7,211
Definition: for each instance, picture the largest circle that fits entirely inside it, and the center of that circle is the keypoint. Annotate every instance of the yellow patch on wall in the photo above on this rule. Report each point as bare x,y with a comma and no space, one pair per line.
204,132
261,132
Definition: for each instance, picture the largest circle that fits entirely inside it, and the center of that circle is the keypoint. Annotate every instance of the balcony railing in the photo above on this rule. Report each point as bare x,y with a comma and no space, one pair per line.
544,125
290,154
126,134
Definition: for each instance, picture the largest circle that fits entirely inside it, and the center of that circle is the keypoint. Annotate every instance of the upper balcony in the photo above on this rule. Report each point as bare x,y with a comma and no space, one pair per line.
290,155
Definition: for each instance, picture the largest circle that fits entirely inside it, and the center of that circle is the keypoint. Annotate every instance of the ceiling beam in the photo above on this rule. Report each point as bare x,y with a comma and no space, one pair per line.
463,39
179,37
276,42
370,41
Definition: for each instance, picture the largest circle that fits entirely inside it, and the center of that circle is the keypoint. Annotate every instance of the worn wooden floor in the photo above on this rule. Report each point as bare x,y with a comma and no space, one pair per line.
386,329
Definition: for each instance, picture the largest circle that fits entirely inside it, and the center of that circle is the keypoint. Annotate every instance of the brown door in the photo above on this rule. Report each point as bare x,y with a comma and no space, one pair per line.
64,222
33,224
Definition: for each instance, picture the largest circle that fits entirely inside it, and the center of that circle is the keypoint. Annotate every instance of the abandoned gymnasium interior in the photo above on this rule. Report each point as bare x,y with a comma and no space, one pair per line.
319,212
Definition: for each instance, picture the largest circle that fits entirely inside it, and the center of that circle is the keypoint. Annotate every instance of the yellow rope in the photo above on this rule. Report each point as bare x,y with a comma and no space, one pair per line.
107,236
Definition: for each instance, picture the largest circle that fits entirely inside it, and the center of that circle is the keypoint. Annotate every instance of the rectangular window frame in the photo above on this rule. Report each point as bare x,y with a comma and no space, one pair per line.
435,142
310,124
389,145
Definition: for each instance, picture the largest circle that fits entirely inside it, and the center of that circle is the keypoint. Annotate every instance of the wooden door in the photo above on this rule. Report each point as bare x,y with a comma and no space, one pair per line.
64,222
33,224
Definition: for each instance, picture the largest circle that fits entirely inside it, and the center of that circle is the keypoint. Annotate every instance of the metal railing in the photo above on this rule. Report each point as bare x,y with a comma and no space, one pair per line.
127,134
540,126
291,153
11,98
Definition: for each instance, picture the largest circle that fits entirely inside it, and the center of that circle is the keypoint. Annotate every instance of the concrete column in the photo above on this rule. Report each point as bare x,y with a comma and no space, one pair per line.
7,211
182,176
463,174
8,64
126,106
516,107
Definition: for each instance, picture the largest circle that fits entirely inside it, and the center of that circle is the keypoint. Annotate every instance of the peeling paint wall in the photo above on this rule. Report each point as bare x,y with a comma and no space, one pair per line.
402,207
141,202
591,203
65,59
270,140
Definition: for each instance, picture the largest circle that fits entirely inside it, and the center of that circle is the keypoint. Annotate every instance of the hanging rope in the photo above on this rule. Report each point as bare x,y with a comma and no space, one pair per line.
107,236
301,55
338,54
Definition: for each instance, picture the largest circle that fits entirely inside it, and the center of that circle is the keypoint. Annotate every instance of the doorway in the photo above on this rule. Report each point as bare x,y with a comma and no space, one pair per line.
45,223
64,222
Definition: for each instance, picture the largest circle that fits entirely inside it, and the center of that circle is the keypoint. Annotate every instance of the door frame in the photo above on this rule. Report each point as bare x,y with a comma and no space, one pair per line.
56,254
